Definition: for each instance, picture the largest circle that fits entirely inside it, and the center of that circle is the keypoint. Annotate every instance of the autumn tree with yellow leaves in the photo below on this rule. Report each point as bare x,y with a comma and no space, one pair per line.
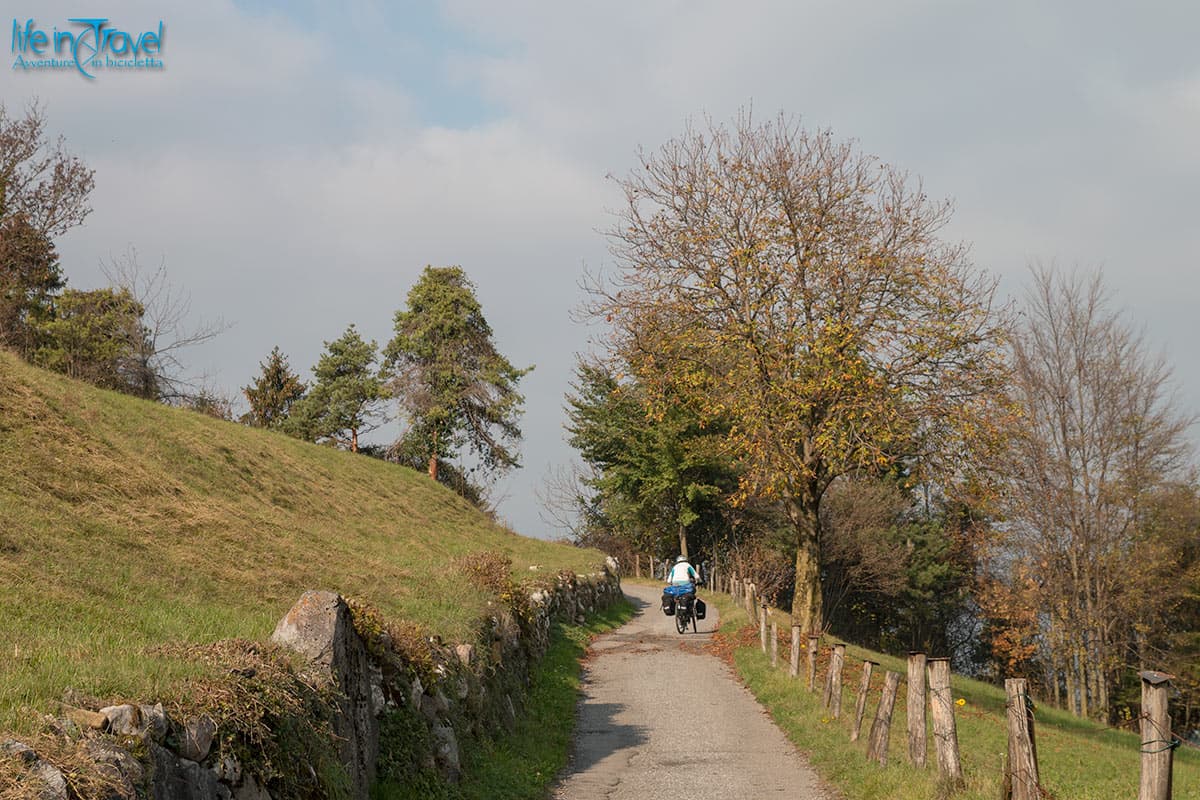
785,281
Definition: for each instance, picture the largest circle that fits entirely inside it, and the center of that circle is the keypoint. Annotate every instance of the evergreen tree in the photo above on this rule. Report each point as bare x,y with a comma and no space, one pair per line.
656,478
273,392
453,385
29,279
345,399
96,336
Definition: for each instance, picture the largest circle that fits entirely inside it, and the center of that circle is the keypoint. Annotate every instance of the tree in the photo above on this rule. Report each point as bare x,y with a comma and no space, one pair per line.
39,181
1097,445
798,288
654,477
29,279
344,401
167,331
452,383
95,336
273,392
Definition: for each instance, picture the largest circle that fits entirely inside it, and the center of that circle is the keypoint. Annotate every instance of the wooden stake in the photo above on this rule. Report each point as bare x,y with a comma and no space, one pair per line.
1158,743
860,706
794,669
762,626
877,744
916,709
774,645
813,642
836,660
637,564
827,691
1021,771
945,734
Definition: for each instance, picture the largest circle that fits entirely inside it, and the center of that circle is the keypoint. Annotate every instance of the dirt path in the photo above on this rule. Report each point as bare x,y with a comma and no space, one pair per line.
661,719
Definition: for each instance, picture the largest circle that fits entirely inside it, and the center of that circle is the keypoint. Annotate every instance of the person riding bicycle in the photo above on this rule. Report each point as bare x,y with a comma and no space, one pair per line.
683,573
679,597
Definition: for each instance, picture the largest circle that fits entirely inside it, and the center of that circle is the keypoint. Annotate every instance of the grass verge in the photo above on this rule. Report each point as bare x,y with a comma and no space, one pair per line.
523,764
1078,760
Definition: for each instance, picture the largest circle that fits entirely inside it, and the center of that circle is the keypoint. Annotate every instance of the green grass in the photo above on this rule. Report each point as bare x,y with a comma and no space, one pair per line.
522,764
125,525
1078,760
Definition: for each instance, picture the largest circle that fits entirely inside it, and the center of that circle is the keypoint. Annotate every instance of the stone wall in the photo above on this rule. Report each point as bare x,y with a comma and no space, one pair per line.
469,689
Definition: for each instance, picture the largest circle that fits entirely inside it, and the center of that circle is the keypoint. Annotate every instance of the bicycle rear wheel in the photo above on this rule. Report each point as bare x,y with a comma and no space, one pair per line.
681,621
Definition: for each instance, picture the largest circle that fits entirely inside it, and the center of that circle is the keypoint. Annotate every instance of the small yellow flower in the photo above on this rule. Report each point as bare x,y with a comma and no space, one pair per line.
962,701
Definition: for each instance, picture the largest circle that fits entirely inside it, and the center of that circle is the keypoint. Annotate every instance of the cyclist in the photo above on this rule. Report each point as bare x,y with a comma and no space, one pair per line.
683,573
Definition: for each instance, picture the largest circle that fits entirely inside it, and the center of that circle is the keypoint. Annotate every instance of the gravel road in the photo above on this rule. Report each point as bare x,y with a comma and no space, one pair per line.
659,718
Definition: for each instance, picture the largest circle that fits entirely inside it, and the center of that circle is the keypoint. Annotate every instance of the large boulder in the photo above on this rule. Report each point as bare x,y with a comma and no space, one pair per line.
320,628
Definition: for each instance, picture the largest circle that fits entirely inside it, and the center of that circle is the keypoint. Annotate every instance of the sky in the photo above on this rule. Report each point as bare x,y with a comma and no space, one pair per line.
295,165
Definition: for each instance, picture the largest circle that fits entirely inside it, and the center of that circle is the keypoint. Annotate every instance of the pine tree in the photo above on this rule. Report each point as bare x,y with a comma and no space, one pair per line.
273,392
344,403
30,277
453,385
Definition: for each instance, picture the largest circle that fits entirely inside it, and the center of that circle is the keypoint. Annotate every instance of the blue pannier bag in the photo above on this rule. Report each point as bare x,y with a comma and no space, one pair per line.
679,590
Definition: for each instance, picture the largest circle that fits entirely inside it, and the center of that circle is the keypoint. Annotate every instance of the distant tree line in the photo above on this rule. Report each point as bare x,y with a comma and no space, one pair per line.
796,372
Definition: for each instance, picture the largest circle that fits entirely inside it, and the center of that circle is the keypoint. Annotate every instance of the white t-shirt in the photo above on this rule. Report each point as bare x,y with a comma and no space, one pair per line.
680,573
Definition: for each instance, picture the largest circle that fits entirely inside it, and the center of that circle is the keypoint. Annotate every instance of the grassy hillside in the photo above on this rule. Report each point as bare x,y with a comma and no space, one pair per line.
1078,759
125,525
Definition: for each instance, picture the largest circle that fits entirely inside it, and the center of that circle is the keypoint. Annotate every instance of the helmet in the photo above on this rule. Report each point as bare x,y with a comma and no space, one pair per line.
680,559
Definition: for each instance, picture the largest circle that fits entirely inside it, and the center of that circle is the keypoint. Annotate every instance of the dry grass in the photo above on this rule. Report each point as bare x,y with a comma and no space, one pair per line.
125,525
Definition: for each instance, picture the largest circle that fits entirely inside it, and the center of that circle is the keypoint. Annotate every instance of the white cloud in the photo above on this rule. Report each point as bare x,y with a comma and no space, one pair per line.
294,188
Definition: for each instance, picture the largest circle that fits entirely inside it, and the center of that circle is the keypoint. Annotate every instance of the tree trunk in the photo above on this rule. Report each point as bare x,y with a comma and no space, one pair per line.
806,601
353,440
433,457
683,540
1082,681
1069,674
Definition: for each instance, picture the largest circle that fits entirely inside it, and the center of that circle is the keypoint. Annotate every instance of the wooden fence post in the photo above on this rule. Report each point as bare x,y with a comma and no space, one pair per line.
774,645
750,604
945,734
1158,743
860,707
813,642
916,709
827,691
877,744
794,670
637,565
1021,772
836,660
762,626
